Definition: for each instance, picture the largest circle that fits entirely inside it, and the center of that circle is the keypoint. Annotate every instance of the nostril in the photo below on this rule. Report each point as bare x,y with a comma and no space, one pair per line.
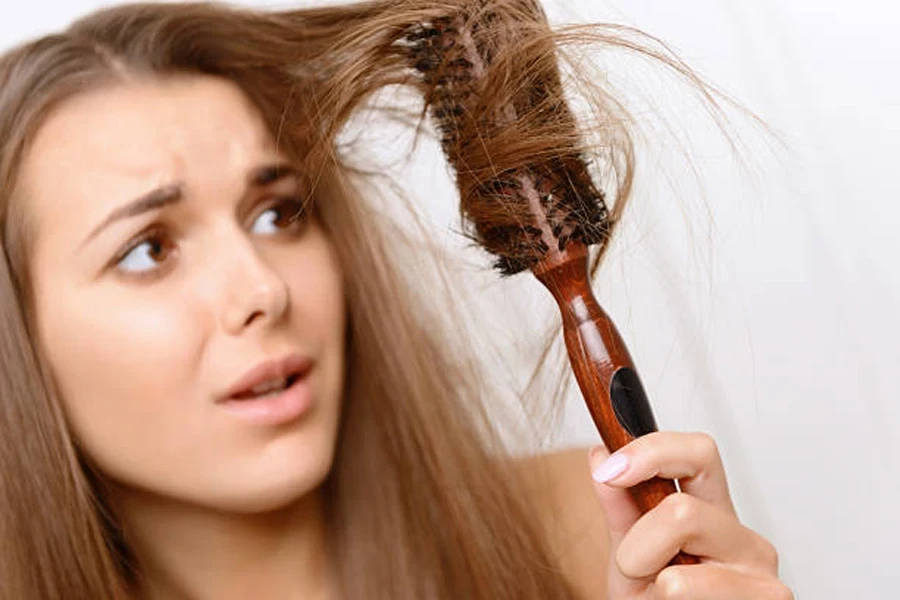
255,315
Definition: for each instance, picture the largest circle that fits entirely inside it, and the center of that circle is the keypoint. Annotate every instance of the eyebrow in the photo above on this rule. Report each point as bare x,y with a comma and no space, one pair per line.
173,193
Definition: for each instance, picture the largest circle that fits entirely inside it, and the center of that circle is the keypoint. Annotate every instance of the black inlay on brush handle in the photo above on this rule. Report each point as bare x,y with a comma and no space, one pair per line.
630,403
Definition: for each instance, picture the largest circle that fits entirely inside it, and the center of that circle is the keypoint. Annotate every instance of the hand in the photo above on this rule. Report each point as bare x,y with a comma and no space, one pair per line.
736,563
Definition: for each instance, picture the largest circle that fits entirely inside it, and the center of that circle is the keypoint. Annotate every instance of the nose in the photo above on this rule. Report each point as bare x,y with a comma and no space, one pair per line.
255,293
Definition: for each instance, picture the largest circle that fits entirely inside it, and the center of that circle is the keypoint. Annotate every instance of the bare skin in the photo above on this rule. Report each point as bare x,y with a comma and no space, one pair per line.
144,336
148,320
611,552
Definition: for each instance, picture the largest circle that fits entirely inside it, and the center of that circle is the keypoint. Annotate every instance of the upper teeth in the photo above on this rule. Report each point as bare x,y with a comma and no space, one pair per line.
269,386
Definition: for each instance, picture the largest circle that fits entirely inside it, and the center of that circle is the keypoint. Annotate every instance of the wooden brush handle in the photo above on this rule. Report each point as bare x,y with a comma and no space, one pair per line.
603,368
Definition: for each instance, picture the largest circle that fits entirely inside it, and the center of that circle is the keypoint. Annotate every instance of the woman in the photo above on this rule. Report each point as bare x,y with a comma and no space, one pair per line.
216,386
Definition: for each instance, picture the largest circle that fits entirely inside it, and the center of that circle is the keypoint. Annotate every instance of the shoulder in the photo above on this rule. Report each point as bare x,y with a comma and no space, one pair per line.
562,491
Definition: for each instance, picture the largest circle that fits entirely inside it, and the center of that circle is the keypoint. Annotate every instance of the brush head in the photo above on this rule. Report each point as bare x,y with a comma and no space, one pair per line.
491,84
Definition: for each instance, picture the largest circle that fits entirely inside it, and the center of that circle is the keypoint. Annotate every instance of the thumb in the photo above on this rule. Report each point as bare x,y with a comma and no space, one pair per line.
620,512
620,508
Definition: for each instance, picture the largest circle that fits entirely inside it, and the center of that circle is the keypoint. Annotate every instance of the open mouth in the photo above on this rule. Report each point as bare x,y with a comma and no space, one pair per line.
273,393
270,378
273,387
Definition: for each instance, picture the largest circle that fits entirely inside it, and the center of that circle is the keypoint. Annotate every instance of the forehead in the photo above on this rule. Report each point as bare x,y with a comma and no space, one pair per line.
110,144
144,123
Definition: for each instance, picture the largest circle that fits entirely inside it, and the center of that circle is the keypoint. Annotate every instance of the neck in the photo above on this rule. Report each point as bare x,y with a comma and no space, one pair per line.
187,552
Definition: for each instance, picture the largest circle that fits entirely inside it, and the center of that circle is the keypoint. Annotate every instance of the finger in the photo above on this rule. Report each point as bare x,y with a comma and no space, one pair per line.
692,458
684,522
711,582
620,513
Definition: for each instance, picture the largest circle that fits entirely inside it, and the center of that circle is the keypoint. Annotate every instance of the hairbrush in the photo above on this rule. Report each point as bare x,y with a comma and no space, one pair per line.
492,86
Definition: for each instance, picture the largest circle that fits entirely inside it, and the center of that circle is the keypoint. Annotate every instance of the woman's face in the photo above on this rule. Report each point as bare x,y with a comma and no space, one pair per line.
173,269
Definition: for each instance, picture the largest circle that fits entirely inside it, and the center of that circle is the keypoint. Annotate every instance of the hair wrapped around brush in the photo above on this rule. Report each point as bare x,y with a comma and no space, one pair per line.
524,184
489,74
421,500
490,77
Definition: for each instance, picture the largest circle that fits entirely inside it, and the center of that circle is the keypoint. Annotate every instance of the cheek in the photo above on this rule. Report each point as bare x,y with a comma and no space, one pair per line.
319,316
315,281
122,366
135,370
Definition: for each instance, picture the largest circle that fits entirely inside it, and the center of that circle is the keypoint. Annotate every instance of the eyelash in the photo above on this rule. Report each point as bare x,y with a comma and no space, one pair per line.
297,217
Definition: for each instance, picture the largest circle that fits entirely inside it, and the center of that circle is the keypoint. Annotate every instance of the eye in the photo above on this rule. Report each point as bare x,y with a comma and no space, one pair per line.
145,254
285,215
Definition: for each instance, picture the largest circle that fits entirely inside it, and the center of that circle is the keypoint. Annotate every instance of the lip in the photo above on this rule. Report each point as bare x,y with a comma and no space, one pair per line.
274,410
292,365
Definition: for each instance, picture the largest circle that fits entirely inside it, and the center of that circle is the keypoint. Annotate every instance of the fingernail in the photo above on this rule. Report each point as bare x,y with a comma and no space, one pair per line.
611,468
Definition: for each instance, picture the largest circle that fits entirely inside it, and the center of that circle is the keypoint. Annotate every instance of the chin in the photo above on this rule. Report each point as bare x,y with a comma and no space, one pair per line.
285,474
271,473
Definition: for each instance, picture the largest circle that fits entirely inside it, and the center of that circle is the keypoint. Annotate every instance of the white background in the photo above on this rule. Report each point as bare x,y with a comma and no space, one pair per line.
760,304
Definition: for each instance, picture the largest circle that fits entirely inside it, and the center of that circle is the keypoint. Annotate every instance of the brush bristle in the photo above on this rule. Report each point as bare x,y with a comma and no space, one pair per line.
534,207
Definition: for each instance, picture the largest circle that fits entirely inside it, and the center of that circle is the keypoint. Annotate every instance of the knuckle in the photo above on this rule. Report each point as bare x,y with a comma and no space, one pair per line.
781,592
768,554
707,448
672,584
771,557
626,566
682,511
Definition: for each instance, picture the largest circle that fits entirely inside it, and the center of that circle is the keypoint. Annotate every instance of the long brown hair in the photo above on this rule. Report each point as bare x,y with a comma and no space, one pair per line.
419,506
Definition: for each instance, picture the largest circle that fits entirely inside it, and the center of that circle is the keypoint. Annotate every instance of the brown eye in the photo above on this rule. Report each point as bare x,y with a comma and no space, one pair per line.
284,215
146,254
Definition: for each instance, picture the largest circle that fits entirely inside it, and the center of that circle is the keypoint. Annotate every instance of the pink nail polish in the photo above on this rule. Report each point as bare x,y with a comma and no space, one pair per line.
611,468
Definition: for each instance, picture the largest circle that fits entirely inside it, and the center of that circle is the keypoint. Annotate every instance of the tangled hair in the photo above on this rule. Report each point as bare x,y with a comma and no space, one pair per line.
420,503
